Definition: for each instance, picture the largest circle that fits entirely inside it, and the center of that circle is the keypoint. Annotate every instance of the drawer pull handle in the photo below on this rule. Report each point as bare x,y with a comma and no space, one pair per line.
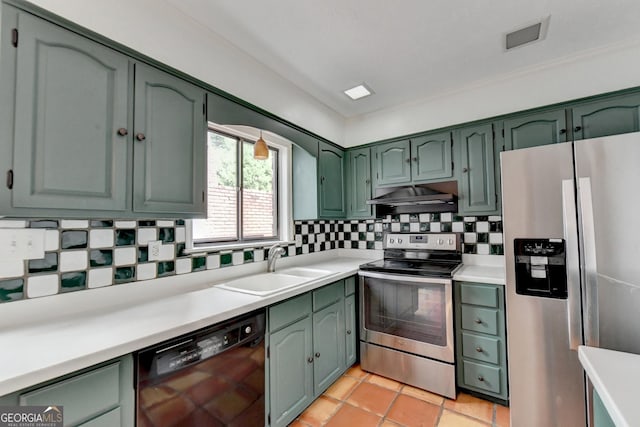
480,378
479,349
479,321
310,359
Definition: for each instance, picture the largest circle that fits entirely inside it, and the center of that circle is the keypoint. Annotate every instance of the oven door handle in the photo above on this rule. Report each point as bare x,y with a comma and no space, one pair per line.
404,278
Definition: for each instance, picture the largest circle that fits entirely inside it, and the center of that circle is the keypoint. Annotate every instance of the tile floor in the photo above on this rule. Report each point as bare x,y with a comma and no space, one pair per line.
361,399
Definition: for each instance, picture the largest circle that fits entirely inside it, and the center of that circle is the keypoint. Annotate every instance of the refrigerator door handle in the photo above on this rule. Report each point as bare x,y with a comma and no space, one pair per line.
570,226
588,236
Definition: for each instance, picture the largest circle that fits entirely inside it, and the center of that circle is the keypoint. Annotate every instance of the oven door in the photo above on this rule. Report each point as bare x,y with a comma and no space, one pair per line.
413,314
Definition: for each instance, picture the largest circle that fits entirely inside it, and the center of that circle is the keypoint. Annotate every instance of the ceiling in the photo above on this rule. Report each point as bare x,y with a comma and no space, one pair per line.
408,50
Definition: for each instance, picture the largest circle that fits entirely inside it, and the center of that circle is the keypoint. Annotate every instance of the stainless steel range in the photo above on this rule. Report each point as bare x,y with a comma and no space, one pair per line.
406,310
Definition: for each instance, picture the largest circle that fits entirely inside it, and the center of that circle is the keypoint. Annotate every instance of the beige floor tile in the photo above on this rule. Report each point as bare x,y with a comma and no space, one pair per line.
502,416
356,372
320,411
471,406
451,419
418,393
411,412
350,416
384,382
372,398
342,388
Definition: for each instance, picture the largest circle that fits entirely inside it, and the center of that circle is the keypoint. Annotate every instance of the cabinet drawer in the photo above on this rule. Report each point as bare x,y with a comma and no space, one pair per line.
478,319
289,311
484,349
83,396
110,419
349,285
481,376
479,295
328,295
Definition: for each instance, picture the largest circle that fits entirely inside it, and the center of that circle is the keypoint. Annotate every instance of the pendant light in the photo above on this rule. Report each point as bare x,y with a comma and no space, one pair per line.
260,149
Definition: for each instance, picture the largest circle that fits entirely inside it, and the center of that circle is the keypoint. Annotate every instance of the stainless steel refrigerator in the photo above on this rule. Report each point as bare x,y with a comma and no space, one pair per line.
571,217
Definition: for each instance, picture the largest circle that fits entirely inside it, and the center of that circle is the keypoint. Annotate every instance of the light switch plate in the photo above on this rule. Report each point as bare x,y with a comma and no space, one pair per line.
22,243
154,250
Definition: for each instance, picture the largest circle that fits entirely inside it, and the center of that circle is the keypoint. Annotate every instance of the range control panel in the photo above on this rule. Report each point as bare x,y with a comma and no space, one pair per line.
432,241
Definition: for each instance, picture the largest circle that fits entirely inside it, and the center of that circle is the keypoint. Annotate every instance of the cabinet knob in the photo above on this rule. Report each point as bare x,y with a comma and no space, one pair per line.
563,131
318,354
577,128
465,170
408,160
415,159
348,331
140,136
368,181
480,378
479,349
478,321
123,132
322,180
310,359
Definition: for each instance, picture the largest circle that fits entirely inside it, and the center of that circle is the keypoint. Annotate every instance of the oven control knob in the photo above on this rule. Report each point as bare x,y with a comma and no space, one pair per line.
399,240
450,241
390,240
248,330
440,241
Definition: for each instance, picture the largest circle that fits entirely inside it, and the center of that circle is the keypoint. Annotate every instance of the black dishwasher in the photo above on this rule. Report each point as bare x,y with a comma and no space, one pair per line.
211,377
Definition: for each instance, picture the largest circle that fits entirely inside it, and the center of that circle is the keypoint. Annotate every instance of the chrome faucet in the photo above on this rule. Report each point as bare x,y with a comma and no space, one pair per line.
275,251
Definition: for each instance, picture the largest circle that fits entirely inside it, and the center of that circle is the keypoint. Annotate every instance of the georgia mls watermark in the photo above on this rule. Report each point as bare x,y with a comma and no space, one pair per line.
31,416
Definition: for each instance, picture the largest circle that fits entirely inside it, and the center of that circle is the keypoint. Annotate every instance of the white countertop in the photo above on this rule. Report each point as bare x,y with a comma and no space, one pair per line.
57,335
48,337
482,269
615,376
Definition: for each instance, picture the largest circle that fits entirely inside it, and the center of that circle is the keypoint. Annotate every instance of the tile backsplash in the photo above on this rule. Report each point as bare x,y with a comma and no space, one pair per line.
86,254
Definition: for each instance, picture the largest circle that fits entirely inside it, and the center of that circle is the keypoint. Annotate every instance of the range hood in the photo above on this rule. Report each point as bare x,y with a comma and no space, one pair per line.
418,198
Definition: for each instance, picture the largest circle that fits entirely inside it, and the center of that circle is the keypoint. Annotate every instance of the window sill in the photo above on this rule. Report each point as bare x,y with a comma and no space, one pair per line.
228,247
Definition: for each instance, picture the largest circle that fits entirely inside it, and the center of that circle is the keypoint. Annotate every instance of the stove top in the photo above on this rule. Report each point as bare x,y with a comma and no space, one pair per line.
420,254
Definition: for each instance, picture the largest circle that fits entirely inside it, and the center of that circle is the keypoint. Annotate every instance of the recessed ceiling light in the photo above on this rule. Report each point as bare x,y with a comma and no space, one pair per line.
358,92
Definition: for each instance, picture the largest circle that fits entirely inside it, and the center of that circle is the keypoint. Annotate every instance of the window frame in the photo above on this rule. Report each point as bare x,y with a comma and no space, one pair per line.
282,198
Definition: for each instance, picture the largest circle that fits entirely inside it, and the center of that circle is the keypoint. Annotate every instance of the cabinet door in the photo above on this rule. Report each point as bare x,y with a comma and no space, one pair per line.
431,157
477,190
71,99
607,117
359,188
290,371
350,326
169,145
393,163
328,346
332,200
536,129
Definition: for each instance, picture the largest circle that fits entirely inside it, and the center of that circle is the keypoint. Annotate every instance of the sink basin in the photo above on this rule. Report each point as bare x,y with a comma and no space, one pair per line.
264,284
304,272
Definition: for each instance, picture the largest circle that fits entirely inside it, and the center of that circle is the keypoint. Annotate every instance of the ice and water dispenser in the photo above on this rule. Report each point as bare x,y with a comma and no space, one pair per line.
540,267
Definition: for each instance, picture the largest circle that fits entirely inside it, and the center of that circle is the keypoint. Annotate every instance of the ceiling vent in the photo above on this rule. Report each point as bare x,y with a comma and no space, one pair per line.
526,35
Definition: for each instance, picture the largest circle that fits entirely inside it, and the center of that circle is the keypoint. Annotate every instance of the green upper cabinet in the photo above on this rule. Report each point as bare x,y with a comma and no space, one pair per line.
331,165
431,157
420,159
535,129
359,183
169,144
612,116
393,163
476,178
70,102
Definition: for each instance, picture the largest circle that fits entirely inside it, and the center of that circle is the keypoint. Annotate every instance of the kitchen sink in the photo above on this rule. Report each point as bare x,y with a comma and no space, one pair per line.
264,283
304,272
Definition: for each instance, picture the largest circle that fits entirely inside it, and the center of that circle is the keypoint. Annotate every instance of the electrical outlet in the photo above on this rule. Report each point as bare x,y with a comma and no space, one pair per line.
154,250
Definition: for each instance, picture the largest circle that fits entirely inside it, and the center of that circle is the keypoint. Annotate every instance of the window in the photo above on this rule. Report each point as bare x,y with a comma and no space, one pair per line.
247,201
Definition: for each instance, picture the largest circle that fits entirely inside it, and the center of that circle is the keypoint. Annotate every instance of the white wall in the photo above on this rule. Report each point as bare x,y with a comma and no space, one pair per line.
617,67
163,33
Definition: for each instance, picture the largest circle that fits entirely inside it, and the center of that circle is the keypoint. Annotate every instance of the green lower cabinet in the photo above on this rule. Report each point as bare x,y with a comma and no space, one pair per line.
481,348
100,396
290,371
309,347
601,417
